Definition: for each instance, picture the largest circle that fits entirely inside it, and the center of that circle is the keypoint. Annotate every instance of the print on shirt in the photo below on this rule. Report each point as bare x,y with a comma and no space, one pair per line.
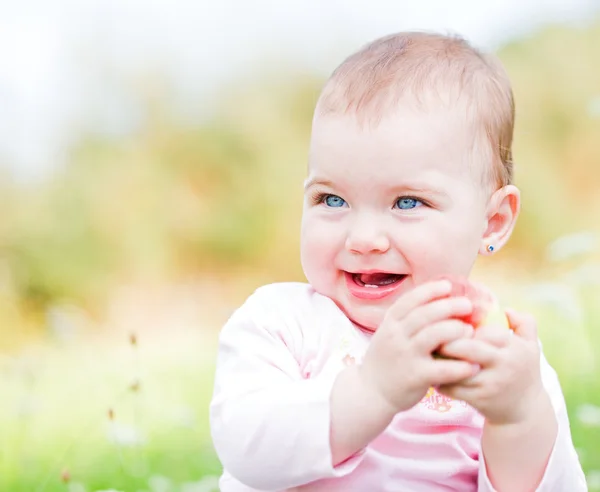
440,403
347,350
348,360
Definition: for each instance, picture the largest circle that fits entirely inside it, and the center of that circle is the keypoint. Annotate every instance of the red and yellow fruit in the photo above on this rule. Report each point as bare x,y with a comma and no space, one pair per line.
486,309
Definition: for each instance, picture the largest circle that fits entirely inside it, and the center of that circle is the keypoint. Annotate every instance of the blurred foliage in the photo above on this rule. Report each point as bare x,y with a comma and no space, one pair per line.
557,91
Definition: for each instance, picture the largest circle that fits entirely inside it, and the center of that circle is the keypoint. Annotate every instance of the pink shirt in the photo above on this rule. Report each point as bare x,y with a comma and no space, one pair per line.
278,357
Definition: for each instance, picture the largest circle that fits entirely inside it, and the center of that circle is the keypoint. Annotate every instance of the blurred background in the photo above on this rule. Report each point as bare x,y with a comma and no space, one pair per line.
152,155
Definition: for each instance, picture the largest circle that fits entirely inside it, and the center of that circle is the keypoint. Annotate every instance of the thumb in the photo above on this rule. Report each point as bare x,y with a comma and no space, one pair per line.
523,324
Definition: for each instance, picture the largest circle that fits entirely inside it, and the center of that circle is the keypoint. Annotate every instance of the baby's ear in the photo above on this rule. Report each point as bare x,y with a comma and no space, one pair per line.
501,216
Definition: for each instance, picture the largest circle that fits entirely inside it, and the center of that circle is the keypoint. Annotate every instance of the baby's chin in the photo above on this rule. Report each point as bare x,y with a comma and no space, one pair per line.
367,318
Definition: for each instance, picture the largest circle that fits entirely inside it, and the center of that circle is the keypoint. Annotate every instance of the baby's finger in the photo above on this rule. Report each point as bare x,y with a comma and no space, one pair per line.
442,371
499,336
458,391
422,294
471,350
433,336
523,324
435,311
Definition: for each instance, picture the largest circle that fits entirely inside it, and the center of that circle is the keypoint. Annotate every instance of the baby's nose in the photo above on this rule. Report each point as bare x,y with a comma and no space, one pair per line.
367,238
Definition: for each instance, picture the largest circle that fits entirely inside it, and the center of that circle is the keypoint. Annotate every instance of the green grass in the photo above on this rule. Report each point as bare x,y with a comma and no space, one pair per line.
60,402
111,415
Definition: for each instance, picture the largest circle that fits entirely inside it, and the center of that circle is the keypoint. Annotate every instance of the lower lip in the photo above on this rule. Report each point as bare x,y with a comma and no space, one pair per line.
371,293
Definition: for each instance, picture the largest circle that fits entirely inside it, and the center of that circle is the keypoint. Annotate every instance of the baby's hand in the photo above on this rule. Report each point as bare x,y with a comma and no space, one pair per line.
398,366
508,388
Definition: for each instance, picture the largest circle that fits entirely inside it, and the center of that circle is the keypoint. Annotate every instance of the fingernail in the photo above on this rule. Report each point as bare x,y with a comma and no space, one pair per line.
475,368
447,285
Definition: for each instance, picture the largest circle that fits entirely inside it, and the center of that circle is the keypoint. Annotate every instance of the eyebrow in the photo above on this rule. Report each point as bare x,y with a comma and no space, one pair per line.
419,189
317,181
397,189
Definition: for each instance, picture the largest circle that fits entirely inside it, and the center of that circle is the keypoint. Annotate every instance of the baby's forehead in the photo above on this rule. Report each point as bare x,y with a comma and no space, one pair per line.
433,114
410,146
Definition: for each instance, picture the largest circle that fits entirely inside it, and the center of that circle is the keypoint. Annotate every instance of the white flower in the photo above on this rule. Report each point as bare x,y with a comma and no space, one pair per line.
183,416
65,322
207,484
27,406
158,483
559,296
587,275
77,487
593,108
573,245
589,415
125,435
593,479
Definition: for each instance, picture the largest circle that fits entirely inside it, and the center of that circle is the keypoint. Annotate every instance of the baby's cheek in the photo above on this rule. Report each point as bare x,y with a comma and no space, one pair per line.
316,247
324,239
428,257
438,255
317,254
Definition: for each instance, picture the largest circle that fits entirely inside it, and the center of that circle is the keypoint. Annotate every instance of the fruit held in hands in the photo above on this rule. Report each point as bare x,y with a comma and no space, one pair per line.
484,302
486,309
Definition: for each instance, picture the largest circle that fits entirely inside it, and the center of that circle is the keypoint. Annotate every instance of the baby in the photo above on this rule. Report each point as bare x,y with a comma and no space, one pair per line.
332,385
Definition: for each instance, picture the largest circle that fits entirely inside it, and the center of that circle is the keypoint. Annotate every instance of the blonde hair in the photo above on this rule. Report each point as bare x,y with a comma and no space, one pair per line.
370,84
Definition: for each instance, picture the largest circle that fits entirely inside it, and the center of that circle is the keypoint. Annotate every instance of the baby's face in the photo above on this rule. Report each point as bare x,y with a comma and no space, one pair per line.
390,207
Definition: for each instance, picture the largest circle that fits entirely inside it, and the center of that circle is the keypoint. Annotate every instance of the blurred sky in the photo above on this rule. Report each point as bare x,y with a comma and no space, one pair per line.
65,64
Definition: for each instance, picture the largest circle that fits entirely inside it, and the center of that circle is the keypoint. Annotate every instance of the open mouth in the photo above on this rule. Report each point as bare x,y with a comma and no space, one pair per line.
376,280
373,286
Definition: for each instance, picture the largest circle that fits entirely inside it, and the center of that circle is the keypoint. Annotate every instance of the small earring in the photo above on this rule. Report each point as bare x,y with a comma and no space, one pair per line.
490,248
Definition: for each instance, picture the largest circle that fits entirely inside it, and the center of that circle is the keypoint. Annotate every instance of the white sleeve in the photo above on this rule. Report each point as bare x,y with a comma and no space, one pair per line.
563,471
270,426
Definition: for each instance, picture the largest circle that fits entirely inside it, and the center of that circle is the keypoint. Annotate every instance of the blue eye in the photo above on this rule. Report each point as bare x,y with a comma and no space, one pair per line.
334,201
408,203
